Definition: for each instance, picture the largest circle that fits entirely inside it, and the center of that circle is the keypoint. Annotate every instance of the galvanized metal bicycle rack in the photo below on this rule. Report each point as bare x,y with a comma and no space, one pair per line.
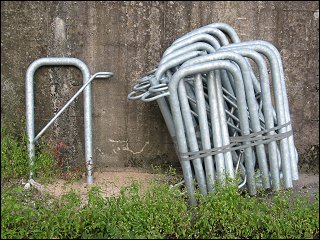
220,115
87,79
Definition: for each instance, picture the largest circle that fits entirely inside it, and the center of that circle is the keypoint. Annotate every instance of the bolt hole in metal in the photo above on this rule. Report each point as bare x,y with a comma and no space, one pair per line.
225,105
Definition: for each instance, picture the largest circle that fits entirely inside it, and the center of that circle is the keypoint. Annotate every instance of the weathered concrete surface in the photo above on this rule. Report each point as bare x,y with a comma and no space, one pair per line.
128,39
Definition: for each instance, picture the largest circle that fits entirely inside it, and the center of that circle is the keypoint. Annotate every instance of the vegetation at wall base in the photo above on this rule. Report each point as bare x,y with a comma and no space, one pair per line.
48,162
161,211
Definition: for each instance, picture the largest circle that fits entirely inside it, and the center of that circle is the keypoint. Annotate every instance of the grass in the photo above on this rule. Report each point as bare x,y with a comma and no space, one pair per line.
48,162
160,212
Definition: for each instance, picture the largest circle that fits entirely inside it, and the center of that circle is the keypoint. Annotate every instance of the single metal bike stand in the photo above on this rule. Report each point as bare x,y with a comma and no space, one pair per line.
87,79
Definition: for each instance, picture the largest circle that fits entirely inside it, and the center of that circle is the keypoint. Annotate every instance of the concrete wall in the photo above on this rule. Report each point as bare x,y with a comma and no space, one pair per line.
128,39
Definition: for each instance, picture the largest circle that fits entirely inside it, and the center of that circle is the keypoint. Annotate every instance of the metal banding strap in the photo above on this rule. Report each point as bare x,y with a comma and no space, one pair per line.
238,143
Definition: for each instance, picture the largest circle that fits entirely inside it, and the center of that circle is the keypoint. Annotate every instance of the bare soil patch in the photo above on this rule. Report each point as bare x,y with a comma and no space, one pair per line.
308,183
111,182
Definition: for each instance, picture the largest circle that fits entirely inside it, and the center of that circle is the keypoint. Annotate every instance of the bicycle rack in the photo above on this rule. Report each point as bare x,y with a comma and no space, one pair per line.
220,113
87,79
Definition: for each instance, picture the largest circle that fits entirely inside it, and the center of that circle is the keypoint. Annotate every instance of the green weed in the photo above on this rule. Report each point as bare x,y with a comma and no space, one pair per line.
159,212
48,162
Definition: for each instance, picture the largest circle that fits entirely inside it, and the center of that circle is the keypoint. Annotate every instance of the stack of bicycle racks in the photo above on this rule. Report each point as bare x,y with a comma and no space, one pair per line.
226,108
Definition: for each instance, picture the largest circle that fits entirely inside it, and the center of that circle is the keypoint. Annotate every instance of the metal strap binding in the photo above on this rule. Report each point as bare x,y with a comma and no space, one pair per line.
233,146
239,143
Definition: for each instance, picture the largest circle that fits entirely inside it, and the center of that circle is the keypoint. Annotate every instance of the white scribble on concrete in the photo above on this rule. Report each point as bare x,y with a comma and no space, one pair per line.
126,147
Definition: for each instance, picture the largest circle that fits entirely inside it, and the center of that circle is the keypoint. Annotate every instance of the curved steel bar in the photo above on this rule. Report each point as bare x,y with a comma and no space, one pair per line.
96,75
162,68
252,107
192,47
158,88
226,78
201,37
221,159
199,172
217,45
141,85
225,28
58,61
193,103
205,38
279,99
164,108
132,95
267,109
184,48
215,29
147,98
292,148
193,145
243,116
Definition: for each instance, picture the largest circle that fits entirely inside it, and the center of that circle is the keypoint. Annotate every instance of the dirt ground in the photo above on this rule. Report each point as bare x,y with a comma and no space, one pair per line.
111,182
307,183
